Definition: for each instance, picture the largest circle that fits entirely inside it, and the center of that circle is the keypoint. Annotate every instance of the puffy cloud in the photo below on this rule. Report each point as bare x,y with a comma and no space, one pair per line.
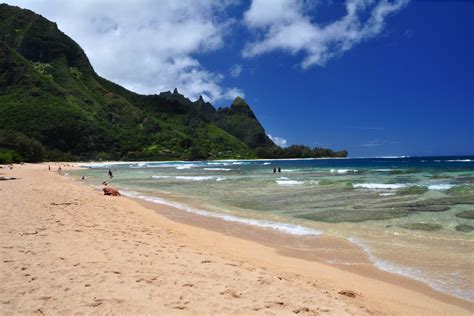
279,141
268,12
148,46
235,70
283,25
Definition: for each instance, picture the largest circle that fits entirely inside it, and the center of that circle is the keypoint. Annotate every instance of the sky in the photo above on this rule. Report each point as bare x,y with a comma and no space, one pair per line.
375,77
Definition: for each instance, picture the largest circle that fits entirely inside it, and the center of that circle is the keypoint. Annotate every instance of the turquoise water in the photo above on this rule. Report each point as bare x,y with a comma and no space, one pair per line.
413,216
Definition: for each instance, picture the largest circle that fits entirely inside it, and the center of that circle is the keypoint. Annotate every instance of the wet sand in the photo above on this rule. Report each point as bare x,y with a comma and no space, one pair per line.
66,248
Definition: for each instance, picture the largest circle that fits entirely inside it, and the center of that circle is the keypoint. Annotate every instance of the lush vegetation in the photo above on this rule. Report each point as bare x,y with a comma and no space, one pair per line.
53,106
298,151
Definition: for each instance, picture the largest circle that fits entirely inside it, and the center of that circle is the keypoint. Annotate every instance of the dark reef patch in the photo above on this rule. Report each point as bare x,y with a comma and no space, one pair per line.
337,216
464,228
460,190
422,226
466,214
412,190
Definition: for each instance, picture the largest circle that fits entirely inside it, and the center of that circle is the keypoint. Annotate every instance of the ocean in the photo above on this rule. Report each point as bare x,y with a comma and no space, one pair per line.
412,216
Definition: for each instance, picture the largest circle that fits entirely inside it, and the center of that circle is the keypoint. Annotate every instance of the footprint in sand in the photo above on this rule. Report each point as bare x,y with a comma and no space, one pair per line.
348,293
95,304
273,303
188,284
304,310
178,305
114,272
231,293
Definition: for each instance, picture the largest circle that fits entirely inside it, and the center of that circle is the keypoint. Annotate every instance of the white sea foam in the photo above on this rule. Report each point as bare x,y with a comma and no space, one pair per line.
218,163
101,164
379,186
289,182
454,160
415,273
186,166
441,186
387,194
267,163
195,178
217,169
178,166
460,160
283,227
343,171
190,178
395,186
138,165
160,177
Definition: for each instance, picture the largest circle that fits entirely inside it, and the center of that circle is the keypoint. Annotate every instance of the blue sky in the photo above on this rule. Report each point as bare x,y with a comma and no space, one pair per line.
387,78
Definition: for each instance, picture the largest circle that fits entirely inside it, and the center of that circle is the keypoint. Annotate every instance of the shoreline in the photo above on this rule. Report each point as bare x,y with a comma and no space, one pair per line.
312,248
286,264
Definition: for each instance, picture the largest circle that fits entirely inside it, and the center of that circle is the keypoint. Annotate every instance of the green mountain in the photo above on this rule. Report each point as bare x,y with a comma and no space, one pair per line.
53,106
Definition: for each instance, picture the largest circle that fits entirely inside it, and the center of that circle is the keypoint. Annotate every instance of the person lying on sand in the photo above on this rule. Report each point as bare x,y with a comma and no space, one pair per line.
109,190
3,178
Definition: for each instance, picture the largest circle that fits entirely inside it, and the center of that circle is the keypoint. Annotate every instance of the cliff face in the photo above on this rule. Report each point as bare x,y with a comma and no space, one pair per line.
52,99
240,121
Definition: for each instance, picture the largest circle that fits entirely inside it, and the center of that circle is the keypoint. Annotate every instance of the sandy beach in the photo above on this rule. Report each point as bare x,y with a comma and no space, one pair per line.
66,248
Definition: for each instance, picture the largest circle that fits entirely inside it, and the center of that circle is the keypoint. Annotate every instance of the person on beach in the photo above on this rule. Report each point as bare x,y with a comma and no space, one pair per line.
279,169
109,190
49,168
274,170
59,169
110,174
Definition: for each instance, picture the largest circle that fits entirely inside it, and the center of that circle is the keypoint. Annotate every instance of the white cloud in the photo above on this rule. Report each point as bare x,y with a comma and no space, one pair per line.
235,70
279,141
374,143
283,25
148,46
379,142
231,94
